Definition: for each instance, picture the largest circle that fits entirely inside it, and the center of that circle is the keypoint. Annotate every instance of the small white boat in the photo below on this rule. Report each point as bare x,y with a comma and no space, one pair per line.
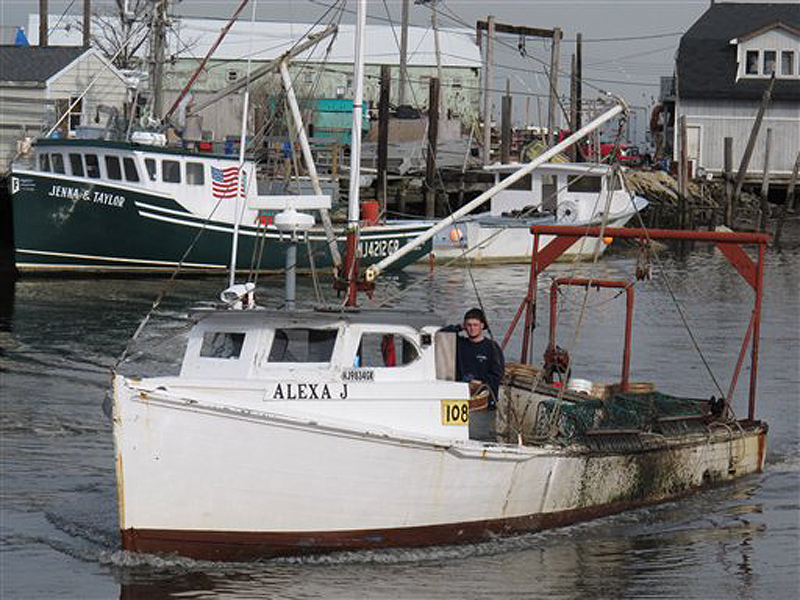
581,194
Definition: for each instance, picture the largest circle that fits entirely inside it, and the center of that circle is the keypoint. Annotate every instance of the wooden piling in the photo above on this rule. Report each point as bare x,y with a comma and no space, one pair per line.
683,178
383,137
433,134
764,216
728,182
555,53
751,142
505,126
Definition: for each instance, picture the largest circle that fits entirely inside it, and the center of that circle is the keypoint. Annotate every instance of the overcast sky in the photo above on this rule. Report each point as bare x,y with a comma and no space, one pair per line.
627,44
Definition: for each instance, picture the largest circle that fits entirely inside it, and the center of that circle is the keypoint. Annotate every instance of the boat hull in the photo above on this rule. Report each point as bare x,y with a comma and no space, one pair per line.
487,243
285,485
71,224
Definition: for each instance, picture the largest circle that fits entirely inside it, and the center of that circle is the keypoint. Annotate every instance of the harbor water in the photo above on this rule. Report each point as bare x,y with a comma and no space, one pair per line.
59,338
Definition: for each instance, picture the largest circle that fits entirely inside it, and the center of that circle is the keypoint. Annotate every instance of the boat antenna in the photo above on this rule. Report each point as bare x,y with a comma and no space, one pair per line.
351,264
240,193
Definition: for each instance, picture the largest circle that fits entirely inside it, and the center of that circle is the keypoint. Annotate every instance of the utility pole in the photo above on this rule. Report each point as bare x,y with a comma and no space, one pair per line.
158,25
555,34
487,90
87,23
554,66
404,54
43,23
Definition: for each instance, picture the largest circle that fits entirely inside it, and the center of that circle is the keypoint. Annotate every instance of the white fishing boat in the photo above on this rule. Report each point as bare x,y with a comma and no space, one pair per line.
580,194
319,430
304,431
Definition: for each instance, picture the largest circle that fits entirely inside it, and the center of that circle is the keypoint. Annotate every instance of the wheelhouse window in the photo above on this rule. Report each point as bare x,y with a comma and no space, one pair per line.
44,162
385,350
583,183
302,345
131,172
769,62
787,63
751,62
523,183
76,164
57,161
195,173
92,166
113,170
150,165
222,344
170,171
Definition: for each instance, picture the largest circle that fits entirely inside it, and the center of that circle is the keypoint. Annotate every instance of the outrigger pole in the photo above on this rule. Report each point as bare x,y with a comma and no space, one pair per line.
729,243
374,270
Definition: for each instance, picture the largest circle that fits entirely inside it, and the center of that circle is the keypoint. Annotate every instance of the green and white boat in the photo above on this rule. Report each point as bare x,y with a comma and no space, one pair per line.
138,206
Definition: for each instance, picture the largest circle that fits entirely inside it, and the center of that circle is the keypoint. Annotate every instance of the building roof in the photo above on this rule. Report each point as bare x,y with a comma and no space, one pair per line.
265,40
707,64
35,64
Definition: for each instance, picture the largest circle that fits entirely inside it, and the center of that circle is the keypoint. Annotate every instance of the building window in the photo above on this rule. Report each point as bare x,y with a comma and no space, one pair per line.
92,166
787,63
170,171
113,169
131,172
751,63
150,165
58,163
75,112
76,163
769,62
195,174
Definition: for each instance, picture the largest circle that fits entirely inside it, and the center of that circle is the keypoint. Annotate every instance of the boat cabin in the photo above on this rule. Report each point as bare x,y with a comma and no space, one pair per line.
359,366
561,189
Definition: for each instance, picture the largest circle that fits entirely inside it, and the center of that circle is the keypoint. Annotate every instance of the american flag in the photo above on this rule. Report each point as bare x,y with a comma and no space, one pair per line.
223,182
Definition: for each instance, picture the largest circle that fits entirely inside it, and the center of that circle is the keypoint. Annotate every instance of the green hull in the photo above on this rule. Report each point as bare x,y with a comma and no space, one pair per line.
67,224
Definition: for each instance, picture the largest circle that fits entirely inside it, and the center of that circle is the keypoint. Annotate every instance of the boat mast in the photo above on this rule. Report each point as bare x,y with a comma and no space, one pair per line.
240,183
158,23
351,264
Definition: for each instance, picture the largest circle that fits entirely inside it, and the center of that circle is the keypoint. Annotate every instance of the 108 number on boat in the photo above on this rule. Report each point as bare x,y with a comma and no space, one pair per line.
455,412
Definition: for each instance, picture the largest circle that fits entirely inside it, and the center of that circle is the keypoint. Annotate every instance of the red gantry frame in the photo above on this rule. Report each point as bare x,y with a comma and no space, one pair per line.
729,243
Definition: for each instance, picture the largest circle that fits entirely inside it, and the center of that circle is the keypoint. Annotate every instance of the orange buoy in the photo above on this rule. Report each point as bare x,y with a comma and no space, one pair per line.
455,235
608,240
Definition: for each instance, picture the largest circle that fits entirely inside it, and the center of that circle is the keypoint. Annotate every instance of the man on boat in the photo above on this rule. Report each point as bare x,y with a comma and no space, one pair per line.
479,359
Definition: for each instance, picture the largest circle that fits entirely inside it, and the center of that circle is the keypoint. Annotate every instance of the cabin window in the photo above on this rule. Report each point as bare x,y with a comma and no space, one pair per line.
150,165
523,183
549,192
583,183
384,350
787,63
57,160
770,58
170,171
222,344
92,166
76,164
44,162
113,170
131,172
751,62
302,345
195,174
